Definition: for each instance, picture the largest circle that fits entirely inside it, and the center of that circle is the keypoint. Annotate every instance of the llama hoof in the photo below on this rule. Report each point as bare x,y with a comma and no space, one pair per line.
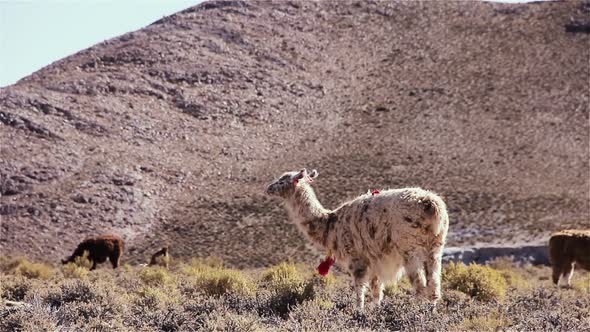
431,307
434,297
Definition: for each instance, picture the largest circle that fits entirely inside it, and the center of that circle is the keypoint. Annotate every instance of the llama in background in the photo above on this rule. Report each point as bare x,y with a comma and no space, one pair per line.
99,248
160,257
566,250
374,235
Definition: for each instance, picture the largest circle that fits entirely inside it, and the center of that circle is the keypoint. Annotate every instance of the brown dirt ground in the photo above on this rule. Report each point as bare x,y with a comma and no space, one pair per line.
169,134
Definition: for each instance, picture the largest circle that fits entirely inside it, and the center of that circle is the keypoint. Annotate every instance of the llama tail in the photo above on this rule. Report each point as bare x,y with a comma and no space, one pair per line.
436,209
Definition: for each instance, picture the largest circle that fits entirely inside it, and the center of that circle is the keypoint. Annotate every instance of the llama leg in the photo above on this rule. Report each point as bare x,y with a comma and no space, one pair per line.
360,275
415,271
377,290
433,267
93,265
114,258
360,290
568,272
556,273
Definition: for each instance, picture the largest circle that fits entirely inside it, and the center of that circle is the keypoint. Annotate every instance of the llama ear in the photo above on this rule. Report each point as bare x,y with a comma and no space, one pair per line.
302,173
313,174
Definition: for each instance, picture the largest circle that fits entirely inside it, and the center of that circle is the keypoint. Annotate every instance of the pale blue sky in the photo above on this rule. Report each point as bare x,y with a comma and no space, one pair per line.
35,33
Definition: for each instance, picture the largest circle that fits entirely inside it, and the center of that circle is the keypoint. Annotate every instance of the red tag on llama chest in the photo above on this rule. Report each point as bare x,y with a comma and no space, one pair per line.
325,266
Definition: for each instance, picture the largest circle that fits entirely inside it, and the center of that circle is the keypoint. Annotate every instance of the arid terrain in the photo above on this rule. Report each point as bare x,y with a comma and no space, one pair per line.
169,134
202,295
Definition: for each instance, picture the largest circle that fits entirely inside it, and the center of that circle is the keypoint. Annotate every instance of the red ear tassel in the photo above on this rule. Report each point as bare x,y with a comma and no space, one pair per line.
325,266
375,192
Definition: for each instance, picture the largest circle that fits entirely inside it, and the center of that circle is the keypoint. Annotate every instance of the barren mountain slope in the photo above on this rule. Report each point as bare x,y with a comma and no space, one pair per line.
169,134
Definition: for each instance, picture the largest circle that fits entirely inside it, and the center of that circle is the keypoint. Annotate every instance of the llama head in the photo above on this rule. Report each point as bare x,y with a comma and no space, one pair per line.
287,183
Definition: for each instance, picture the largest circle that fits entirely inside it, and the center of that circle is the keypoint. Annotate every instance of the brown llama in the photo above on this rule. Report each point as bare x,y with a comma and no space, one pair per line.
161,257
567,249
375,235
99,248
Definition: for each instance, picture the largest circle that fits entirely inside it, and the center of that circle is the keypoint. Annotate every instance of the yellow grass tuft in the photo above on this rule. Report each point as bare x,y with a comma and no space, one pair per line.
79,268
480,282
33,270
155,276
215,280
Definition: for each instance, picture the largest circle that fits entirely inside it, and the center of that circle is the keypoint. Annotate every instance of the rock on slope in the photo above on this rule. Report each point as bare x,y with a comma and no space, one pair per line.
169,134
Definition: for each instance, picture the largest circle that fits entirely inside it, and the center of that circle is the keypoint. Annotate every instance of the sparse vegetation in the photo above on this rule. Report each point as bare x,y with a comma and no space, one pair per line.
495,321
203,295
514,275
480,282
214,279
401,286
79,268
21,266
72,270
155,276
582,284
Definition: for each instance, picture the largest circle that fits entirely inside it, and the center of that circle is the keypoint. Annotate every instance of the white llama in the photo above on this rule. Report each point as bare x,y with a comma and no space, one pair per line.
373,235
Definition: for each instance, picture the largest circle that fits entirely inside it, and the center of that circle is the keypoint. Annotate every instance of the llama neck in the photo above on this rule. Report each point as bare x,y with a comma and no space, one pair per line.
309,214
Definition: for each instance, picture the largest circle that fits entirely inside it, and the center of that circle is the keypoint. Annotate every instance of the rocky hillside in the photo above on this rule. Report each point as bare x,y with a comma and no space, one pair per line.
169,134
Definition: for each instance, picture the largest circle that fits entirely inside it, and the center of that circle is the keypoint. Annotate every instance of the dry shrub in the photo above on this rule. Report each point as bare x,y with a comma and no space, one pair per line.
79,268
155,297
316,316
22,266
35,317
510,270
215,280
99,324
234,322
34,270
84,261
581,283
324,304
515,279
290,287
401,286
503,263
84,291
156,276
455,298
14,288
8,264
480,282
282,275
495,321
289,298
208,262
72,270
79,301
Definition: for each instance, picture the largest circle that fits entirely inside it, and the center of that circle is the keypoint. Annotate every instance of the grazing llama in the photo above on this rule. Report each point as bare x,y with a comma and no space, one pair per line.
567,249
99,248
161,258
374,235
